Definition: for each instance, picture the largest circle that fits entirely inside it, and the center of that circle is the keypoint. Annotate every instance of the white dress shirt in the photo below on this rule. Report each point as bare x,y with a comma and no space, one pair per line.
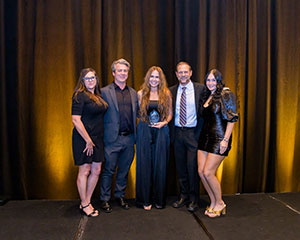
191,115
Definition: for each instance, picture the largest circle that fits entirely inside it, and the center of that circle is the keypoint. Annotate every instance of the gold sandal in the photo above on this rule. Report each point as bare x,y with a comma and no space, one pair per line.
208,210
217,213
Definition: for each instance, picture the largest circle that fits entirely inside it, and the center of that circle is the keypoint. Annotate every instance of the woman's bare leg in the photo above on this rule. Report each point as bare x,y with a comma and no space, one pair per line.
213,161
202,159
82,180
93,179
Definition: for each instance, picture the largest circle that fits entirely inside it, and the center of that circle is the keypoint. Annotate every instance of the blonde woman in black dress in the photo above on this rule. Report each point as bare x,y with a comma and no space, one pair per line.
88,110
219,113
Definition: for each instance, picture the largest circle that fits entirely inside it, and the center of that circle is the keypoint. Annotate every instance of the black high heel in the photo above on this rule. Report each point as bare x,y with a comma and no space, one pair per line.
158,206
80,207
92,214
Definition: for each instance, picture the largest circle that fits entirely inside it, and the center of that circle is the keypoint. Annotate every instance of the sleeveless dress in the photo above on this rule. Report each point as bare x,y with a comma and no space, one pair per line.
216,115
152,157
92,117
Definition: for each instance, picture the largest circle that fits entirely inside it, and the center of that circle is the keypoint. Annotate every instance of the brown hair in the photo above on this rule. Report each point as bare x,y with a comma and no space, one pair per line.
80,87
183,63
163,95
219,87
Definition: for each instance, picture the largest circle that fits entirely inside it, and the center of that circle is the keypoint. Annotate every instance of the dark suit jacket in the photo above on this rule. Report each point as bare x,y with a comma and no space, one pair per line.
111,117
199,90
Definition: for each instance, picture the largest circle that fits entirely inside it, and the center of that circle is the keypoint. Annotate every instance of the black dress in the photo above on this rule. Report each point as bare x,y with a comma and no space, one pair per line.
92,119
220,110
152,157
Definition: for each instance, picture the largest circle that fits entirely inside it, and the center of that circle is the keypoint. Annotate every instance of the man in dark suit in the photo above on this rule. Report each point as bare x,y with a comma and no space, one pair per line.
185,130
119,134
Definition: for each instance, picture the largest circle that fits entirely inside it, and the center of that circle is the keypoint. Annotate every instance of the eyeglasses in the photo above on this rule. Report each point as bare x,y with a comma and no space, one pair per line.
90,79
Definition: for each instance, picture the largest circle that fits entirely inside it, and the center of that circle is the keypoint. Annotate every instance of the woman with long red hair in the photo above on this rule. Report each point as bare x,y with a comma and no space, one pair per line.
153,140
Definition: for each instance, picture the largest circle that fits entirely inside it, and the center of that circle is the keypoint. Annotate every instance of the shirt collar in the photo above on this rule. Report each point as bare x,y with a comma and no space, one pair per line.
117,87
188,86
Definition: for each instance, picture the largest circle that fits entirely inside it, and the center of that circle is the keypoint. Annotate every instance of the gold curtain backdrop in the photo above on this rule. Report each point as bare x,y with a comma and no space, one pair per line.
45,44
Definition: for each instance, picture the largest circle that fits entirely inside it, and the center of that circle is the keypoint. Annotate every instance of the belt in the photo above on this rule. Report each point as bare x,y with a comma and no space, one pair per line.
124,133
185,128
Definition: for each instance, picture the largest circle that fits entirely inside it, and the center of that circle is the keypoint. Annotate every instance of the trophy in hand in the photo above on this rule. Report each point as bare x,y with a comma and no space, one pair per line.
153,117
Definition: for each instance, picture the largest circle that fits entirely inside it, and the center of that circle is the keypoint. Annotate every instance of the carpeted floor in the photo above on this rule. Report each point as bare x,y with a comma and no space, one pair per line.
256,216
249,216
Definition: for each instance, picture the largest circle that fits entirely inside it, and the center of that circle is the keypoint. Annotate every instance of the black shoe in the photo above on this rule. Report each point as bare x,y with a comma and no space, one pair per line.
94,213
158,206
192,207
106,207
121,201
180,203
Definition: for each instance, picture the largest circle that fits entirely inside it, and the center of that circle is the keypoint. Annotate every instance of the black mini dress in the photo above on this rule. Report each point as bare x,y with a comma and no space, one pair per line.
92,117
220,110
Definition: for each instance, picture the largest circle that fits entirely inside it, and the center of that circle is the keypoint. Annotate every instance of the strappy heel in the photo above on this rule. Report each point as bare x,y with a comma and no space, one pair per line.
80,207
208,210
92,214
218,213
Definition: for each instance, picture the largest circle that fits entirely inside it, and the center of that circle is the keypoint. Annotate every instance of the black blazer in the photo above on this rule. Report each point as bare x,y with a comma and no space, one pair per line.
199,90
111,117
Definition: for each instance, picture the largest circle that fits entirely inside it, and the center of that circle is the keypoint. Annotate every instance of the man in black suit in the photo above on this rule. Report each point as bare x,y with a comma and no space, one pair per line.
119,134
185,131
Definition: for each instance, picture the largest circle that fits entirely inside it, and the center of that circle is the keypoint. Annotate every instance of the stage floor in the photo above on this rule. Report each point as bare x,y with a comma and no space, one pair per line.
249,216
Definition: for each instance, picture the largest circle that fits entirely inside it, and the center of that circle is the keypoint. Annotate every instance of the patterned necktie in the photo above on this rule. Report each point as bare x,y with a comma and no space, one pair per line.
182,111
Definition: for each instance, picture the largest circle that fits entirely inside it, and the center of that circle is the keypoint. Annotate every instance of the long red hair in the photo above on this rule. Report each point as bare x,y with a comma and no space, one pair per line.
163,95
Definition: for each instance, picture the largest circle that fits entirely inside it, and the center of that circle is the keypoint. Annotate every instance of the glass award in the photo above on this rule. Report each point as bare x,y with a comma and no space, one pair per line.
153,117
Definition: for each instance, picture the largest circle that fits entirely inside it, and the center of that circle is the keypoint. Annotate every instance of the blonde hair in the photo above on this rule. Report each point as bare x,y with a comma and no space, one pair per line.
163,95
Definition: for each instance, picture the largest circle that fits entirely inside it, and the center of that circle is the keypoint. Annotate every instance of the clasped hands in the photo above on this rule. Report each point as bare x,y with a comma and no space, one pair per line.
159,124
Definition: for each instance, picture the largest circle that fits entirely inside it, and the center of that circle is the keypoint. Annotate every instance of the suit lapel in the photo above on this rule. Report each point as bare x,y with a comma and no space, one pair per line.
175,97
113,95
132,100
197,96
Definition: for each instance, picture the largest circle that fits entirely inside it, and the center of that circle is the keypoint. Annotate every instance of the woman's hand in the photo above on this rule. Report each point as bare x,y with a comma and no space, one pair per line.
159,124
89,148
223,146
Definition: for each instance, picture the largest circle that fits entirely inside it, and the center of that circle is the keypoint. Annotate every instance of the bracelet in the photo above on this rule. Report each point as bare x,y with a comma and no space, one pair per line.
226,139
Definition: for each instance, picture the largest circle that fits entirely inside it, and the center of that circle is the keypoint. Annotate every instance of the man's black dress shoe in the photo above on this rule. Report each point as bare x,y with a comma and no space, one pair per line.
192,207
106,207
121,201
158,206
179,203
